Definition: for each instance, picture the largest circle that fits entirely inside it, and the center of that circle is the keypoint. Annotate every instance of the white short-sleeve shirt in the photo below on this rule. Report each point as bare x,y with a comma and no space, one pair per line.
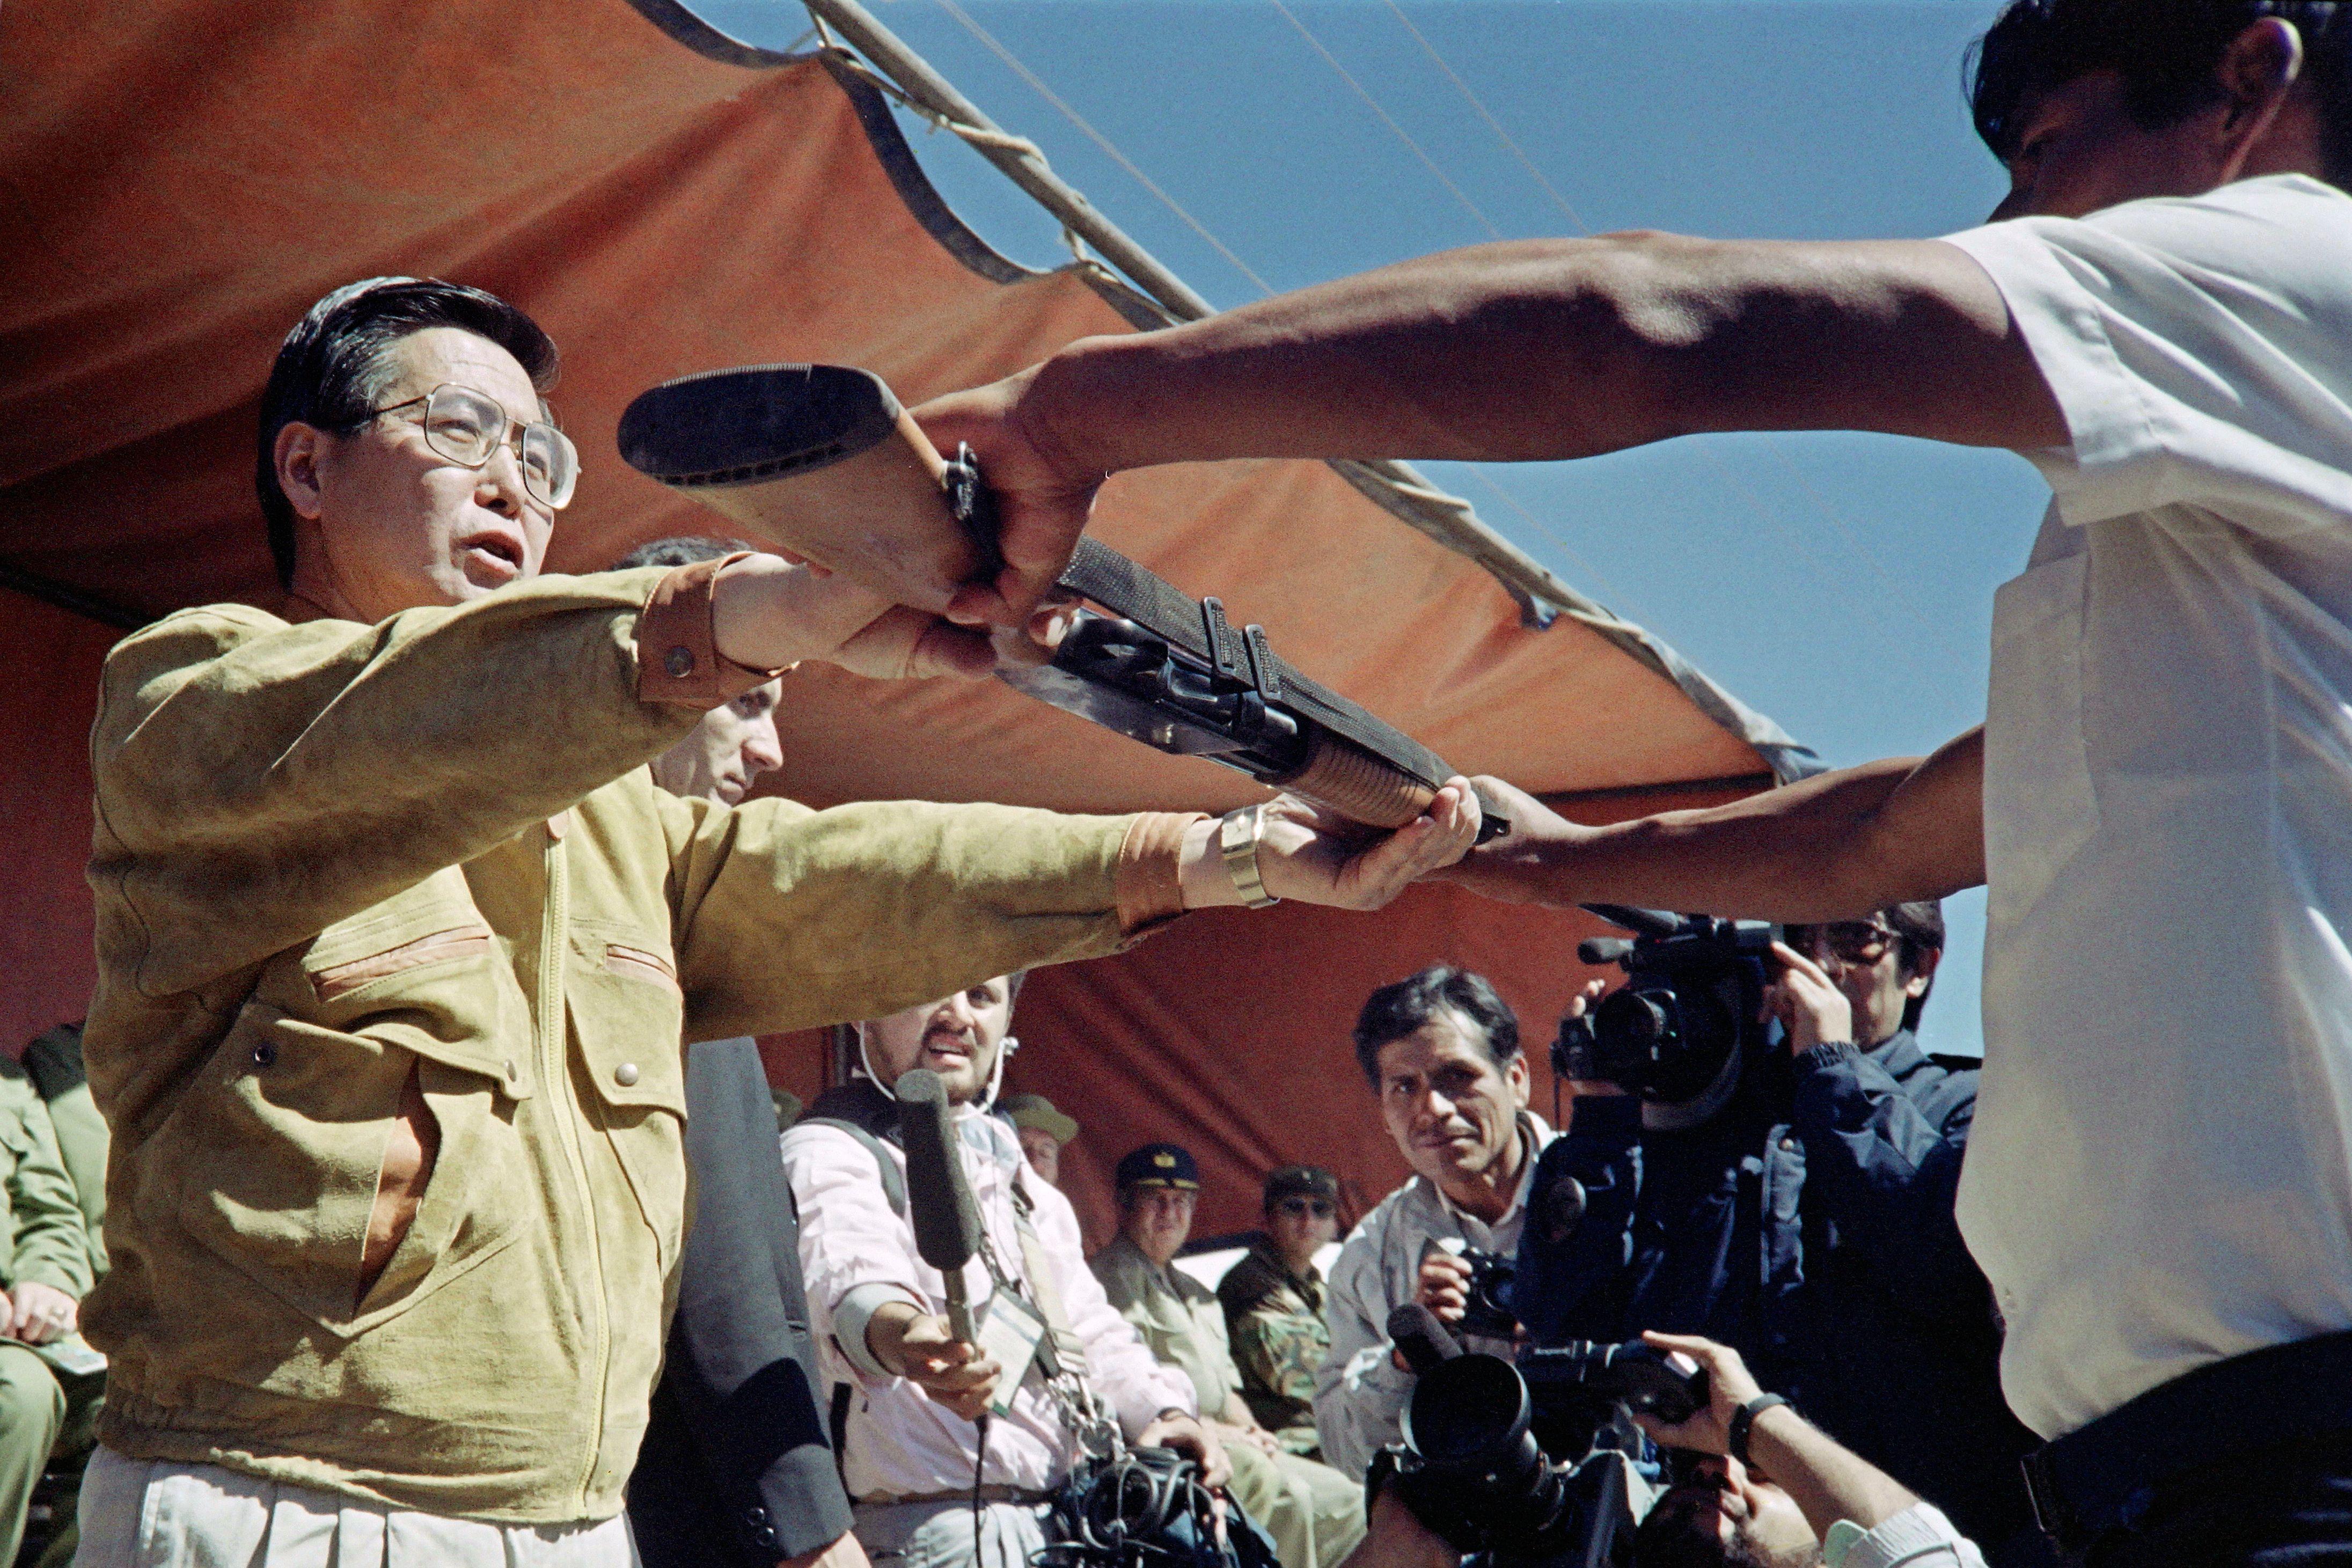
2160,1172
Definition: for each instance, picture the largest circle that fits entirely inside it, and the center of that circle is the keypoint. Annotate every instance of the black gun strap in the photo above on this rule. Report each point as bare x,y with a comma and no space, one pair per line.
1102,575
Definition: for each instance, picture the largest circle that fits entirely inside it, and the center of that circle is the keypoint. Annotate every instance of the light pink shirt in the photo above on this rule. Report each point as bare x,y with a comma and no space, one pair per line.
857,1254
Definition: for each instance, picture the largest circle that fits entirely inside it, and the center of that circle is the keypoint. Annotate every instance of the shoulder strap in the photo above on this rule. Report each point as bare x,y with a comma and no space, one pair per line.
1068,1350
894,1182
839,1426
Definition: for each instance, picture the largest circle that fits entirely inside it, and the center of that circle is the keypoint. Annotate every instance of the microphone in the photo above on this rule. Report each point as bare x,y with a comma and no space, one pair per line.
946,1220
1420,1338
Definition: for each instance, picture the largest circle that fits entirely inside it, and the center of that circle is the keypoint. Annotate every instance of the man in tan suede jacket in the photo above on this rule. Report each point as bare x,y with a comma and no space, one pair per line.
397,939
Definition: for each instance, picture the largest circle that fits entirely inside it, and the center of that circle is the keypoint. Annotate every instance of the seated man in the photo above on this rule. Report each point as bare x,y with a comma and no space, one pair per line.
1314,1513
933,1483
735,1467
387,879
1274,1305
50,1384
1441,1051
1042,1130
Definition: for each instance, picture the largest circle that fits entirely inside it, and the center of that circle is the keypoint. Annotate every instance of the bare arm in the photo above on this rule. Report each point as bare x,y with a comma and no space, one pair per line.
1832,847
1530,349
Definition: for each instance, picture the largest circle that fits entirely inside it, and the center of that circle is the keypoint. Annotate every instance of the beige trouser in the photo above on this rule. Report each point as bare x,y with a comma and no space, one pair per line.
1315,1514
140,1514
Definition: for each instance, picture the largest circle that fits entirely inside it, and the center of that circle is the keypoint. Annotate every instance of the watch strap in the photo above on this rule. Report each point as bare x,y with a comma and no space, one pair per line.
1743,1420
1238,835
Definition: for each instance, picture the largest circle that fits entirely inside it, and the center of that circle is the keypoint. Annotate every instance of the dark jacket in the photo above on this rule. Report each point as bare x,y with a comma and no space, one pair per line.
1809,1226
736,1468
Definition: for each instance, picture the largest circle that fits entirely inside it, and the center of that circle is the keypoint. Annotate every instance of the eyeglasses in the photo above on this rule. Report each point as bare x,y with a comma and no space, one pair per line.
1300,1208
469,427
1855,942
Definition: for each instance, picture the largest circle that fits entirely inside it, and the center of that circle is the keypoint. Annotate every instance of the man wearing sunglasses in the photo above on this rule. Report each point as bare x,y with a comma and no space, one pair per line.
398,940
1274,1305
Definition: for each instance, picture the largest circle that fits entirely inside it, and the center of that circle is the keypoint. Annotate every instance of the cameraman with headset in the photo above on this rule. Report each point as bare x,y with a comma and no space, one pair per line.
1793,1197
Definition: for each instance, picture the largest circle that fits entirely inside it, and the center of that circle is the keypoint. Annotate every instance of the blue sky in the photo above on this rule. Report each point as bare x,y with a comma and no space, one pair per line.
1842,584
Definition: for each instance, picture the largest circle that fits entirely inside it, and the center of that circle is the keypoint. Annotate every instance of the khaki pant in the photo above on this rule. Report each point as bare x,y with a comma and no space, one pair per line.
1315,1514
41,1409
140,1514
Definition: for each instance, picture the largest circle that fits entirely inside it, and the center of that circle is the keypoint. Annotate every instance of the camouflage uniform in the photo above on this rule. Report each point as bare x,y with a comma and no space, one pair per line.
1279,1341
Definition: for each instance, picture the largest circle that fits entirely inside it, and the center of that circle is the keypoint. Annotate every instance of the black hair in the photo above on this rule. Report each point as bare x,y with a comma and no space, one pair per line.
331,368
1676,1535
1394,1011
2168,53
680,550
1918,928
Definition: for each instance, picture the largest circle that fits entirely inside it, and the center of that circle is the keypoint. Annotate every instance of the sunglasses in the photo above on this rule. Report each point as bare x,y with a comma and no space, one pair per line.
1300,1208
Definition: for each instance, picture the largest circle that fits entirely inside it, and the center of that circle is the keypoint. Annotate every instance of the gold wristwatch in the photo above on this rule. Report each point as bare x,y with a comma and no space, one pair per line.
1238,835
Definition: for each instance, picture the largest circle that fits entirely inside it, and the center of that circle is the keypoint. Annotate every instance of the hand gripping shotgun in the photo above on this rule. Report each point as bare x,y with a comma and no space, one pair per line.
823,460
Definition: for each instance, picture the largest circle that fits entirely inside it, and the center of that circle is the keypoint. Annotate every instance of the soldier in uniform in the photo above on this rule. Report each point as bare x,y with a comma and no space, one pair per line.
1273,1306
1314,1513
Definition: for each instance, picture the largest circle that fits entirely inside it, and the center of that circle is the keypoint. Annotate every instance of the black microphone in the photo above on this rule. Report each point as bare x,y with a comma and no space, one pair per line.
1420,1337
947,1222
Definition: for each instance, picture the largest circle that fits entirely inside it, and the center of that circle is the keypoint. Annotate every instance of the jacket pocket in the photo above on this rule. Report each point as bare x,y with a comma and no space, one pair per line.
626,1014
275,1150
273,1153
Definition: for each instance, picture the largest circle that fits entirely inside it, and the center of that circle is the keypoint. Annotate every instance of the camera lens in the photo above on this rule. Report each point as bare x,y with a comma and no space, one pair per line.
1632,1021
1470,1415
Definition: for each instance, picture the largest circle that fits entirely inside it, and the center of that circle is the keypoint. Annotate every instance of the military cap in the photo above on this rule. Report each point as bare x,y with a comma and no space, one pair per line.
1301,1182
1159,1166
1037,1111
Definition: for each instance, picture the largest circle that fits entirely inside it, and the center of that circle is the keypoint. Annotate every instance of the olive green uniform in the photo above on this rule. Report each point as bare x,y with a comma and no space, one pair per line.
1315,1514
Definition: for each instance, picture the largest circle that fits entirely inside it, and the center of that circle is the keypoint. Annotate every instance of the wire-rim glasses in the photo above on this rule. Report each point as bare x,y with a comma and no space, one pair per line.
467,428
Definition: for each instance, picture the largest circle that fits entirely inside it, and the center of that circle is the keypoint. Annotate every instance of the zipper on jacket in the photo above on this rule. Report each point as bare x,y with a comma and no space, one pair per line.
555,1072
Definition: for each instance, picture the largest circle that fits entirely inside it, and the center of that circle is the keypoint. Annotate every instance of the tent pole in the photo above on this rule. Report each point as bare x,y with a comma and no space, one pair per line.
1395,486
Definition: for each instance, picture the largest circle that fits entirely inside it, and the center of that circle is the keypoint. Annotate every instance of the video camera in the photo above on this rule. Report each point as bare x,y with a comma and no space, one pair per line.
1678,1030
1529,1461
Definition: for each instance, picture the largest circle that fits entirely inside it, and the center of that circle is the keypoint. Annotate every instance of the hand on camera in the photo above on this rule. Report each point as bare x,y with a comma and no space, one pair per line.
1444,1286
1807,1002
922,1348
1590,1088
1308,854
1729,1386
1195,1440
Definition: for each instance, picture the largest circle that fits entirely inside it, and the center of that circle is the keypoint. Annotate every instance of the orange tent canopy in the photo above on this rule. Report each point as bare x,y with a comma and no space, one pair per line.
181,178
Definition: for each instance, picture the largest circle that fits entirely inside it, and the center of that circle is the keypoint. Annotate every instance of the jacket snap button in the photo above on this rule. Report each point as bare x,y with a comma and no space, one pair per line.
265,1055
680,662
625,1075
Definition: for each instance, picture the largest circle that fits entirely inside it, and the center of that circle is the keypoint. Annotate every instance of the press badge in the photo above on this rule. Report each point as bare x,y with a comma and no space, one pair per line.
1008,1332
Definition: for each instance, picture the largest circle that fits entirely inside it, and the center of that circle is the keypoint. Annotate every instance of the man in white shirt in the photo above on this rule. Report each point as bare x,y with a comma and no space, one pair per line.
2160,317
1441,1051
906,1392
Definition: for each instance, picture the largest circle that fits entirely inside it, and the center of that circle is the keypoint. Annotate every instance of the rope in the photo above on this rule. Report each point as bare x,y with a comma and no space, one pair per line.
1099,140
1895,589
1386,118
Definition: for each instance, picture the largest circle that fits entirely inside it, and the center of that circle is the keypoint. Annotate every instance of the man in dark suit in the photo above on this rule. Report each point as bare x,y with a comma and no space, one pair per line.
736,1468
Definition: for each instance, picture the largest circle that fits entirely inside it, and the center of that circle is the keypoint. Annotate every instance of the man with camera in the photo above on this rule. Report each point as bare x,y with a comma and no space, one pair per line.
1791,1197
1441,1051
2160,318
935,1478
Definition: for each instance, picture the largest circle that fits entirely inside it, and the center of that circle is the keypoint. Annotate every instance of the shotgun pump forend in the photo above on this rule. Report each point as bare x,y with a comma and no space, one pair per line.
824,462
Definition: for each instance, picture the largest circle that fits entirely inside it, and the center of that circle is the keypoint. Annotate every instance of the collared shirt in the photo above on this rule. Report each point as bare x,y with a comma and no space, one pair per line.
856,1253
1918,1537
2158,1175
1178,1317
1274,1319
1359,1394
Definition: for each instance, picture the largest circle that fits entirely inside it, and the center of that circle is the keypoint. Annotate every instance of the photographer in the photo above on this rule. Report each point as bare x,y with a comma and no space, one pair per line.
2160,319
1441,1051
1803,1210
1786,1495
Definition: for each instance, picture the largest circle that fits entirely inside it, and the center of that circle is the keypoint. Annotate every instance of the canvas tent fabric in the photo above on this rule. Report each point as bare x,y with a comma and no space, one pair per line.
180,179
